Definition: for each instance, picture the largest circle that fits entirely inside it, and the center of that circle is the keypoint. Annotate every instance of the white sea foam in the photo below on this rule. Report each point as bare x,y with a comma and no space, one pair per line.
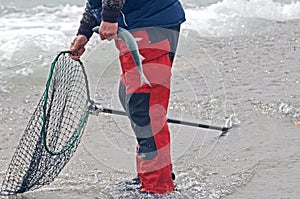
40,29
230,17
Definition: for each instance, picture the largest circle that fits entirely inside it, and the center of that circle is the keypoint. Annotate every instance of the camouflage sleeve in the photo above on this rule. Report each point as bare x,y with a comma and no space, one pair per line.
87,22
111,10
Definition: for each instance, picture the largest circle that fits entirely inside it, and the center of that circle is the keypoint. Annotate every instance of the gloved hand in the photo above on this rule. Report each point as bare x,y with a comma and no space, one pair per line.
77,46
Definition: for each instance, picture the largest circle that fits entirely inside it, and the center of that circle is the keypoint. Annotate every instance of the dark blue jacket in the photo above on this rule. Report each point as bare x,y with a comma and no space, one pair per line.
135,14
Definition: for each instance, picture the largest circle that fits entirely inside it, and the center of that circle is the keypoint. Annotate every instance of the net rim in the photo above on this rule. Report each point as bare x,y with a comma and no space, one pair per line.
44,117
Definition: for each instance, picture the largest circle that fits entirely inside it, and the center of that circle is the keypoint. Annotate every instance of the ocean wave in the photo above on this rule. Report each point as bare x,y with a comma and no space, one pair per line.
234,17
25,33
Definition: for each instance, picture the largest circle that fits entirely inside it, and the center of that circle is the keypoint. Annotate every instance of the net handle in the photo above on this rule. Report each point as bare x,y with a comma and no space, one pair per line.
83,121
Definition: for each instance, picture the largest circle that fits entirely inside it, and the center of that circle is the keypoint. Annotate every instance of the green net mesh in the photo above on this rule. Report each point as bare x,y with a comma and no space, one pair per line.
54,129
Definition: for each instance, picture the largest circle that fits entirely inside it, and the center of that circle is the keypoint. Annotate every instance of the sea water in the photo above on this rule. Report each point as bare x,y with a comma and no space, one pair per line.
236,59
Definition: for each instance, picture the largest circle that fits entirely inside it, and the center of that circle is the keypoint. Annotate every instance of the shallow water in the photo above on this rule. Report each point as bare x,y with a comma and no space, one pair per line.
250,72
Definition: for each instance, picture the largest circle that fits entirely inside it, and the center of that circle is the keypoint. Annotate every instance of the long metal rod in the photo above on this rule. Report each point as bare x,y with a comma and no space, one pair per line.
169,120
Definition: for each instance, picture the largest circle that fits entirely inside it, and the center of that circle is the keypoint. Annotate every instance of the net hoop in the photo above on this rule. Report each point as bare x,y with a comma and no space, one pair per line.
44,115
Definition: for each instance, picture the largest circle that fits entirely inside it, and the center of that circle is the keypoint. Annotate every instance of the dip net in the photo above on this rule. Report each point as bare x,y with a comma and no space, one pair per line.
54,130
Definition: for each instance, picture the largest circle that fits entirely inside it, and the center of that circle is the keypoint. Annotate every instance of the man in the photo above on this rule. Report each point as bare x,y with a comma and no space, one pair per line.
155,24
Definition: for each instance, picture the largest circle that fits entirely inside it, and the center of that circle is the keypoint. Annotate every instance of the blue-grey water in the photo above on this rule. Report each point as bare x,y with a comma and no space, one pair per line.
236,59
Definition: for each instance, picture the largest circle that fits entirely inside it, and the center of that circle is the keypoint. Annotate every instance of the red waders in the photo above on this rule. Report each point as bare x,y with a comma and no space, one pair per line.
147,107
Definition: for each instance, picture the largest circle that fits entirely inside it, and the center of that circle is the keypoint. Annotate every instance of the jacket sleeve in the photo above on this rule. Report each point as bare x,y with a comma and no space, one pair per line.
111,10
87,22
110,13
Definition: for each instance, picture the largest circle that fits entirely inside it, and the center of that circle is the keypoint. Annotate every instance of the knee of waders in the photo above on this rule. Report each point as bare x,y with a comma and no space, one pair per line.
139,108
